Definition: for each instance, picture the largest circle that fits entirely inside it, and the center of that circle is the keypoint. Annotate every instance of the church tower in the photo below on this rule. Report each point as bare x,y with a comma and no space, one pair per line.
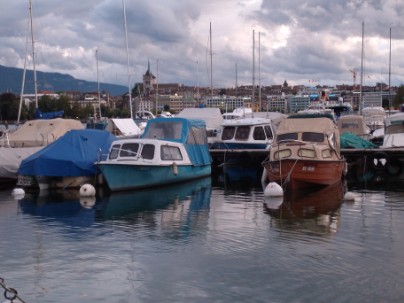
149,81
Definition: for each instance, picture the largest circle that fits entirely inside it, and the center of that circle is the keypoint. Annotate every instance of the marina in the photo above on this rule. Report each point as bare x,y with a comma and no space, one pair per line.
205,241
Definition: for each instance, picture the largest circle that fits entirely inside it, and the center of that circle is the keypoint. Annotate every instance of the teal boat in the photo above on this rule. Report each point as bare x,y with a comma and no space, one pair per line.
171,150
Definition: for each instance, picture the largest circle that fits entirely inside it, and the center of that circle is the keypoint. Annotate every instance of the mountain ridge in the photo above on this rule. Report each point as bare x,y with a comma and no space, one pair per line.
11,80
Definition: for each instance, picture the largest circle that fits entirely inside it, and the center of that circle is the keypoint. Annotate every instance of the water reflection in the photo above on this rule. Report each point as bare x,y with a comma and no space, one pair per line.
314,211
68,208
61,206
193,196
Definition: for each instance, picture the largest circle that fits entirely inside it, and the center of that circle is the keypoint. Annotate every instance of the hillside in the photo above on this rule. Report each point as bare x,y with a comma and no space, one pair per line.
11,79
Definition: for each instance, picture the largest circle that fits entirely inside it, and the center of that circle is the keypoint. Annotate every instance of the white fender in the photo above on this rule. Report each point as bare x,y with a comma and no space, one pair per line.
273,189
87,190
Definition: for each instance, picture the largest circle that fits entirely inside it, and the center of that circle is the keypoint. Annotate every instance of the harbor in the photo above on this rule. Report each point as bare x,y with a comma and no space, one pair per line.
205,241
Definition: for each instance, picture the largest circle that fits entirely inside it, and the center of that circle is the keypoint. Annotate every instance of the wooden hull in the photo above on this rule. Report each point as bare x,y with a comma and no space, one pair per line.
297,174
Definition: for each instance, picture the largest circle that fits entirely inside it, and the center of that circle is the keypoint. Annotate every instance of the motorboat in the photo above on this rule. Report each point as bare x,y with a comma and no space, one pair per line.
305,152
169,151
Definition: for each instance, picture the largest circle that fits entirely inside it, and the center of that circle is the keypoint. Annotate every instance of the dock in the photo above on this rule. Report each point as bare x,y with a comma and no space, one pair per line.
364,165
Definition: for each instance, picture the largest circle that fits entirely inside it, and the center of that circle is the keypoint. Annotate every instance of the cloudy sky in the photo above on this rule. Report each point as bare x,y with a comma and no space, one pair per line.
302,42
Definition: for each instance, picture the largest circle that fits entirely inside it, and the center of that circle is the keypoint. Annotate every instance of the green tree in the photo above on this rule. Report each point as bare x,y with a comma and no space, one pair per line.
137,89
399,98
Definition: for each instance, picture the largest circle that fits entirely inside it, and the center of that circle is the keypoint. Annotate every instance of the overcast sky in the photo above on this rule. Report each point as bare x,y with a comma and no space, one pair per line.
302,42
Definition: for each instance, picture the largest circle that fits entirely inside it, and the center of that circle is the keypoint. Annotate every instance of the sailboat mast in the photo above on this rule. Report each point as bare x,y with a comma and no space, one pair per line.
33,54
253,73
360,92
23,78
127,58
211,60
259,69
98,84
390,73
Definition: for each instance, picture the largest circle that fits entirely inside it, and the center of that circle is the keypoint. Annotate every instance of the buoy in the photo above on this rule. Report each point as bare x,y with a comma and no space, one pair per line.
87,190
87,202
273,189
18,192
349,196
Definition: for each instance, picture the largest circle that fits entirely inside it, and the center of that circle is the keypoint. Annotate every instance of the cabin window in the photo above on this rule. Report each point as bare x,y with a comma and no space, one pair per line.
268,132
284,153
228,132
259,133
129,150
148,151
114,151
306,153
326,153
164,130
312,137
170,153
242,132
288,136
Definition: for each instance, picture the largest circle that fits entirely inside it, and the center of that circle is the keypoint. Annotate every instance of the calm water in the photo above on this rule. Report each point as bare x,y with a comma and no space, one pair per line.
204,242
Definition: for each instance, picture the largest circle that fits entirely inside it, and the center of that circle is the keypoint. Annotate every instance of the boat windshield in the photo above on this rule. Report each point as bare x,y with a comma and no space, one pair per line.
395,129
288,136
312,137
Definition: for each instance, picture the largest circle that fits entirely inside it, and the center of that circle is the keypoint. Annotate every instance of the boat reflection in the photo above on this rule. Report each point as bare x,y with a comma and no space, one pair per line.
65,207
68,208
314,211
192,196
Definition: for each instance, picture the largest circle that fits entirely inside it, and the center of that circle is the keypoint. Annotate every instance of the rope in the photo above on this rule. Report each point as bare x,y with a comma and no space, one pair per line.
10,293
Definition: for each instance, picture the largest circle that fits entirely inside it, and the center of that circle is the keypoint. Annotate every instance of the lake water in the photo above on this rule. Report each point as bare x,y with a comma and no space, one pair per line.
205,242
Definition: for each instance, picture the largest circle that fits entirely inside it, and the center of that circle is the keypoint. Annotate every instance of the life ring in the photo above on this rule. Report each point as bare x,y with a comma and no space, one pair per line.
394,167
379,160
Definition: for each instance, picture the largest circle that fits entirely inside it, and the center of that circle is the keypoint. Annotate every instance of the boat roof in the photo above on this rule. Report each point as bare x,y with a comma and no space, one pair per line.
309,124
246,121
212,116
396,118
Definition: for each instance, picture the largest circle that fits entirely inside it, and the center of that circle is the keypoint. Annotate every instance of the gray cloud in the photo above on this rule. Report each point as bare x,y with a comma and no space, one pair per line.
299,40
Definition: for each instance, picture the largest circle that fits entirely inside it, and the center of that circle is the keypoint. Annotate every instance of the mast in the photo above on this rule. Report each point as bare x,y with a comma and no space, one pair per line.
390,72
236,81
98,85
33,54
211,60
259,69
360,92
23,78
253,73
127,58
157,86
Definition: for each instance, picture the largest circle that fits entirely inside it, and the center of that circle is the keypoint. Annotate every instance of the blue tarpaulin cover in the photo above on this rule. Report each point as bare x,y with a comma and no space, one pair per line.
73,154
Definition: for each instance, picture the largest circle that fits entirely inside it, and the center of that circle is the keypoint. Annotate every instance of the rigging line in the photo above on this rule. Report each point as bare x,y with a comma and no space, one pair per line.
24,73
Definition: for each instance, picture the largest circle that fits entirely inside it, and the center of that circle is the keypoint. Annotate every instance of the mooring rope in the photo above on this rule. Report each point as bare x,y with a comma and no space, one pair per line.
10,293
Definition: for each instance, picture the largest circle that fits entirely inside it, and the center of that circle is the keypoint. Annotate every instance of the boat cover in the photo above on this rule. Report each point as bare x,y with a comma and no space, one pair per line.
71,155
123,127
42,132
350,140
190,132
212,116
